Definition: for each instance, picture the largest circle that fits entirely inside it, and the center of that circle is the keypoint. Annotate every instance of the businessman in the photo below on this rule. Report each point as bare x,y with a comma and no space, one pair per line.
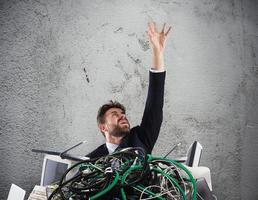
111,117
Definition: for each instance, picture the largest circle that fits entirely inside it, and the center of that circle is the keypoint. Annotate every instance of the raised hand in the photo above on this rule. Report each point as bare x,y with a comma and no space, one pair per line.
157,39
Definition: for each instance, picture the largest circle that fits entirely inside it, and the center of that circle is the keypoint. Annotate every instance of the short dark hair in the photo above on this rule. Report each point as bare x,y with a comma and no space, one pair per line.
104,108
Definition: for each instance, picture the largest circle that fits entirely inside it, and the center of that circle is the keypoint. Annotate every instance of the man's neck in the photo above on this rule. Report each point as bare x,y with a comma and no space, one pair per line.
113,140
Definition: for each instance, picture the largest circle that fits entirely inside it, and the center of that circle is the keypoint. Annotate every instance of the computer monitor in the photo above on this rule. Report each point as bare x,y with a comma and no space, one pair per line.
194,154
53,169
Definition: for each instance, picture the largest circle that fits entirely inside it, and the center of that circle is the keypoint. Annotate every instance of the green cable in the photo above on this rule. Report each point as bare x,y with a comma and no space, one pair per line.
107,189
122,191
135,167
173,180
185,169
128,171
151,158
123,175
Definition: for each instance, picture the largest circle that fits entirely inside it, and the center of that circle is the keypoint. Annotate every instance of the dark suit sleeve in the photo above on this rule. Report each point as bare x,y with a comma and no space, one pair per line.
153,112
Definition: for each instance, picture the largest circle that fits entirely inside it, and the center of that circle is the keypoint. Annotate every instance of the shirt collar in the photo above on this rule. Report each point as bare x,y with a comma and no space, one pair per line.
111,147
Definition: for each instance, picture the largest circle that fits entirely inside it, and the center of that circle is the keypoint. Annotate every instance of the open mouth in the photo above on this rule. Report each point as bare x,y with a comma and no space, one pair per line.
123,122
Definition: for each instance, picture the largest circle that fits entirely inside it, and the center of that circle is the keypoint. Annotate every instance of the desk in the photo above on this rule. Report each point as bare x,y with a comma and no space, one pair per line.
38,193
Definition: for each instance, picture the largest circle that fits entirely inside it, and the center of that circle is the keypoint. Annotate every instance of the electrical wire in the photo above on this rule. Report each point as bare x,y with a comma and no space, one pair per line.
127,174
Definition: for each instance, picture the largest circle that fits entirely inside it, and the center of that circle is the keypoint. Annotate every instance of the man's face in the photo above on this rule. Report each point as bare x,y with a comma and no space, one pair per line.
116,122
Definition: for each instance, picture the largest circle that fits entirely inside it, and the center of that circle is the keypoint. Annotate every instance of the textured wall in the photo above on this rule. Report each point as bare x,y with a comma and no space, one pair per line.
60,60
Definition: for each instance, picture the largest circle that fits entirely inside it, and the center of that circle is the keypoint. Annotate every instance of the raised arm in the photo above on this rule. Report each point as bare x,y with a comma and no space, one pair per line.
153,114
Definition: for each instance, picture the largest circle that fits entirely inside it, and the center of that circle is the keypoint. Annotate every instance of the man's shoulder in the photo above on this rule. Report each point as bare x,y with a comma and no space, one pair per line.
135,130
98,152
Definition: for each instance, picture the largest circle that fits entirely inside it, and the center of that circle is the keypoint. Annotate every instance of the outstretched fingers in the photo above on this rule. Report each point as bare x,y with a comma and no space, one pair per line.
155,27
151,28
168,31
163,30
149,33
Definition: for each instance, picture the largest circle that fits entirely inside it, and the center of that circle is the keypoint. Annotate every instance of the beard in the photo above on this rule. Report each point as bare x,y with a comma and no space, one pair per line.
119,131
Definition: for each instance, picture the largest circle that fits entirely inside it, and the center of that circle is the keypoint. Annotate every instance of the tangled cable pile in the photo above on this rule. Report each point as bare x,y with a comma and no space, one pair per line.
127,174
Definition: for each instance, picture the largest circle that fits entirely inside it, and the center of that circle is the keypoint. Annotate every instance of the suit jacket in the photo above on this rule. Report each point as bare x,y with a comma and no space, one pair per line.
144,135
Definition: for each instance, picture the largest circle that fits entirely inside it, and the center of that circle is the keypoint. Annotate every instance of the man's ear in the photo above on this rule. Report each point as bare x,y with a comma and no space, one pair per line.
103,128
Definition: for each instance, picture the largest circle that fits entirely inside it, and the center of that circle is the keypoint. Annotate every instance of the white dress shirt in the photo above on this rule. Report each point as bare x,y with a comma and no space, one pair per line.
111,147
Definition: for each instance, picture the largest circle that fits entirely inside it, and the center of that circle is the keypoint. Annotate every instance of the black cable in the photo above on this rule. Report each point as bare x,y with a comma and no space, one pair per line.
129,170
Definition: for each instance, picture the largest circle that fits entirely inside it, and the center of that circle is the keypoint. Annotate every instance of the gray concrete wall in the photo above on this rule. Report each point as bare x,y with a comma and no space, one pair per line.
60,60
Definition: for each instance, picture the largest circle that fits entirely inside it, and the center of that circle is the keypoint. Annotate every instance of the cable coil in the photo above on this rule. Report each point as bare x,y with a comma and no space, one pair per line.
127,174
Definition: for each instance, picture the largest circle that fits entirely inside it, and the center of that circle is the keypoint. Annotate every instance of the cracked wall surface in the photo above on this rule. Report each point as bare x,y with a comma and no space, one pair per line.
61,60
